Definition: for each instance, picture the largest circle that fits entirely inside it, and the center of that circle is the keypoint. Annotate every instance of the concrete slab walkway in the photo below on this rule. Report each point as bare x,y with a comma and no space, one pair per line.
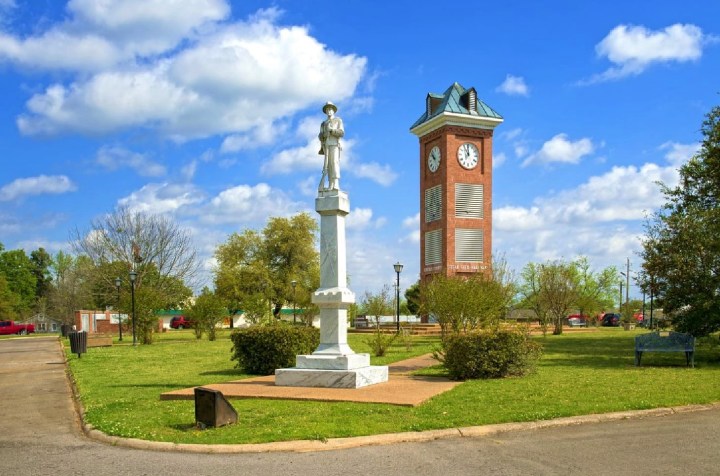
400,389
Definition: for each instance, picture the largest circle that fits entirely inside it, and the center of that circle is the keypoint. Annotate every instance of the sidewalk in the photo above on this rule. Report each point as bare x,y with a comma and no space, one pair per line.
400,389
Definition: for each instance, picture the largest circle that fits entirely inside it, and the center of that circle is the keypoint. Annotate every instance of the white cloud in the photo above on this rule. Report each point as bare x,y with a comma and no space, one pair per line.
146,27
359,218
678,154
39,185
600,218
113,158
517,218
249,204
413,224
159,198
309,186
513,86
632,49
51,247
382,174
499,159
188,170
100,35
362,218
236,78
560,149
261,135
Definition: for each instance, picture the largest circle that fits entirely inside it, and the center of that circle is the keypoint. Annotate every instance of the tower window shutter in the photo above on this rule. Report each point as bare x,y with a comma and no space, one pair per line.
433,247
468,200
433,203
468,245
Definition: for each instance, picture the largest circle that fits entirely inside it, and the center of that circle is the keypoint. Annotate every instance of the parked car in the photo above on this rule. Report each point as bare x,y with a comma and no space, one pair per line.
11,327
180,322
610,320
577,320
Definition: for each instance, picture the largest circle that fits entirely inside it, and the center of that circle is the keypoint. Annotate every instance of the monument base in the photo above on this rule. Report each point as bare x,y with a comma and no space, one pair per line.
355,378
319,361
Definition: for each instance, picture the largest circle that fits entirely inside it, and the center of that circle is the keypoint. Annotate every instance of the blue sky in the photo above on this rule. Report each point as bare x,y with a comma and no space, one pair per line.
208,111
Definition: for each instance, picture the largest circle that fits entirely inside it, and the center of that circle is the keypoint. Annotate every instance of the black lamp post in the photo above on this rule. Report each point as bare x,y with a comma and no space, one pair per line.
398,267
293,283
118,282
133,276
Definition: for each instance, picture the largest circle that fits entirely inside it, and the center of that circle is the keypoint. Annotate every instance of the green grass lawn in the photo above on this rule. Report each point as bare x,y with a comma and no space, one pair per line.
580,373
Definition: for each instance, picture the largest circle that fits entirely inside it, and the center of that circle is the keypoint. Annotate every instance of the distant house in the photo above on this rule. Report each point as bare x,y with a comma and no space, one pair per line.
44,323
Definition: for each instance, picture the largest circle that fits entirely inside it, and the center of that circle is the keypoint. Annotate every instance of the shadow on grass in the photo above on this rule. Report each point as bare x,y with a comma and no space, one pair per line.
612,351
184,427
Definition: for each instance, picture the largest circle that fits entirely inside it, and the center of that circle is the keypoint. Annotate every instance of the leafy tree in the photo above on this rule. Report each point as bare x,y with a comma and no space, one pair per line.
208,311
412,295
8,301
71,287
595,290
682,247
41,265
18,271
310,312
462,304
558,291
156,248
255,266
530,295
551,290
377,304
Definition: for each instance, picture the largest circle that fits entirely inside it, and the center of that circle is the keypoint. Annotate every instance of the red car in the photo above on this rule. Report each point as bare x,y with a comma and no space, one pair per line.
577,320
10,327
180,322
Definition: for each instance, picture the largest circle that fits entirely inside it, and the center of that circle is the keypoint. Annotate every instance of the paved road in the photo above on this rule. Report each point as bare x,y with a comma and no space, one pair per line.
41,436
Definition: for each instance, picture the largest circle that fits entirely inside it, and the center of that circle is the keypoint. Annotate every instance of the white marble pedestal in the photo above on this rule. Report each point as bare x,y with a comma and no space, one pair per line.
333,364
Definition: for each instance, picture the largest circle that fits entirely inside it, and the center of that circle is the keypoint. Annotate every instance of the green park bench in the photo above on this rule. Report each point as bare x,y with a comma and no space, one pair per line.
670,342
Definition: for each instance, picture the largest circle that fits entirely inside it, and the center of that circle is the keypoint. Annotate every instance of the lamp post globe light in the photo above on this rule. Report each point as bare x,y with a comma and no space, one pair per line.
133,276
118,282
398,267
293,283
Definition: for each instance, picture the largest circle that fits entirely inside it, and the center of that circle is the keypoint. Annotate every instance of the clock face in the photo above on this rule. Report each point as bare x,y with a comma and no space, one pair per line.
468,155
433,160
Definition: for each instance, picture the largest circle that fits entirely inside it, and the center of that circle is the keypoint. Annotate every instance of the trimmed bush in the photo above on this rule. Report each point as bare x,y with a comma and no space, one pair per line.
260,350
491,354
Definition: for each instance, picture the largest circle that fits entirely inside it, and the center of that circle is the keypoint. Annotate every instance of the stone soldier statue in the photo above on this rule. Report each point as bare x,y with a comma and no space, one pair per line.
331,130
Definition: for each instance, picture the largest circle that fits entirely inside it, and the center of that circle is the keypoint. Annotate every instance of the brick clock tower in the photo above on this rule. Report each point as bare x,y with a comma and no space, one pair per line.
455,133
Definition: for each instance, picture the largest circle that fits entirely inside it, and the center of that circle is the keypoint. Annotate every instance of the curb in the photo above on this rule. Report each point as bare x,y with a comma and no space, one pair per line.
332,444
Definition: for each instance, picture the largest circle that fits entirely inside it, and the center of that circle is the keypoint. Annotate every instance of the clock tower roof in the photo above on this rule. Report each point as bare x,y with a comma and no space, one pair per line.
458,106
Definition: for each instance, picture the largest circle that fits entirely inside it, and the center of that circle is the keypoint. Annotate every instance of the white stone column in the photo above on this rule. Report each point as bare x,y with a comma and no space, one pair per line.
333,364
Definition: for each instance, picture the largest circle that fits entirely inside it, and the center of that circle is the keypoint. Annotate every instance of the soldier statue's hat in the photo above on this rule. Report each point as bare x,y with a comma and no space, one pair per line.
329,105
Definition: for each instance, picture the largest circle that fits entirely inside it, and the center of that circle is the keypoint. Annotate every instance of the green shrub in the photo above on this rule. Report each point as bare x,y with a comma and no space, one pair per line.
260,350
490,354
380,342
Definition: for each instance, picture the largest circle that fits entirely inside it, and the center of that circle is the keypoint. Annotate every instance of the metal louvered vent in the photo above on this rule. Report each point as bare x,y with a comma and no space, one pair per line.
468,245
468,200
433,247
472,100
433,203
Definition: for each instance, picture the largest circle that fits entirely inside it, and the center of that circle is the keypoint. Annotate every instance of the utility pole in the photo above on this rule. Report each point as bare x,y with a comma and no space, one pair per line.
627,283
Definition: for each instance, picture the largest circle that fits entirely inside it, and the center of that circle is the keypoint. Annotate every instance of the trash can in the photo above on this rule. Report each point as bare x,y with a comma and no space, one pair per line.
64,329
78,342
